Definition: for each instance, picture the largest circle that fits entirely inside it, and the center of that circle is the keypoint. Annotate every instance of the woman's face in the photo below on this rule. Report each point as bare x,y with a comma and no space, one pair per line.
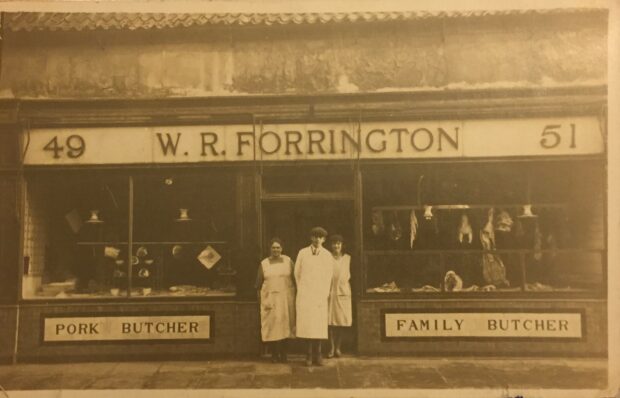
337,247
276,249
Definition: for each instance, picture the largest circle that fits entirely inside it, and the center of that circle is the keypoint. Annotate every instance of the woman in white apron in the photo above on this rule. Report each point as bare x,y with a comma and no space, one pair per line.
276,294
340,314
313,274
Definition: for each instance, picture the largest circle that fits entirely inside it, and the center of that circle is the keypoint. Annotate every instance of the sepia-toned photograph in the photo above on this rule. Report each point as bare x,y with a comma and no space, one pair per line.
309,198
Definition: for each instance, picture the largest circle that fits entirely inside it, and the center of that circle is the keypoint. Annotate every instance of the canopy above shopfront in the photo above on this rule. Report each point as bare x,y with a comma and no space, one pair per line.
64,21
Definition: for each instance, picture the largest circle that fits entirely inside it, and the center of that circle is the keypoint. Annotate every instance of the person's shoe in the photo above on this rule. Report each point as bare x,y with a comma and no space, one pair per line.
308,362
318,361
330,354
338,353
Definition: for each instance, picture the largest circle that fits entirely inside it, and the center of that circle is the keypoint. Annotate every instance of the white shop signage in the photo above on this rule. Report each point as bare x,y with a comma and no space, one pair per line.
118,328
483,325
325,141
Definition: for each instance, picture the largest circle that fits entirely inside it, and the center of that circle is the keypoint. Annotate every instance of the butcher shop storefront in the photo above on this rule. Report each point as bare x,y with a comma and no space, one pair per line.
460,230
142,179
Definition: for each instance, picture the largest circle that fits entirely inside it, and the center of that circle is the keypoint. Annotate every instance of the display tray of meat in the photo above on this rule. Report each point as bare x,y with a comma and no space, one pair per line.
390,287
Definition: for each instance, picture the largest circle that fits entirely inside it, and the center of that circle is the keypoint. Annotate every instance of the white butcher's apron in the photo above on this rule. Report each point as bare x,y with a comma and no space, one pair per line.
313,274
277,301
340,313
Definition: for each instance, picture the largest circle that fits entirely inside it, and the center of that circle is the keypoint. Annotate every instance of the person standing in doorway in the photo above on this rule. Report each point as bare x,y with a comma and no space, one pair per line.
276,293
340,313
313,274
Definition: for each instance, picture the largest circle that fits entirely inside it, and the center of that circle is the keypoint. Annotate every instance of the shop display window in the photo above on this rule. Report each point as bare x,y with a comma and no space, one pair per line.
509,227
75,236
182,233
93,235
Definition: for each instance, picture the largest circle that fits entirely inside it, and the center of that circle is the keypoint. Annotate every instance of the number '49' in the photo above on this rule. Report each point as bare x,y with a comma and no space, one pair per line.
75,146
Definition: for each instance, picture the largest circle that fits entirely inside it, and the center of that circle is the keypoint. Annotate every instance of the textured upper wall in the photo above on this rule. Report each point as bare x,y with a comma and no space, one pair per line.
422,54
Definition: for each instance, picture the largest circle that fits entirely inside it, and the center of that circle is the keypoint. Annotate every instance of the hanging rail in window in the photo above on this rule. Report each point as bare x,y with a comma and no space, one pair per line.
469,207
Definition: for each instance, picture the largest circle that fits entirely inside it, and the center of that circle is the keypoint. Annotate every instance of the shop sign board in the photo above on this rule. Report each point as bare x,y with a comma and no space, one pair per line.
482,324
325,141
119,328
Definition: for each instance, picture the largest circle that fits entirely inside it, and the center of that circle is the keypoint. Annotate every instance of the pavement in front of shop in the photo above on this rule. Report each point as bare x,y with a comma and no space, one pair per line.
343,373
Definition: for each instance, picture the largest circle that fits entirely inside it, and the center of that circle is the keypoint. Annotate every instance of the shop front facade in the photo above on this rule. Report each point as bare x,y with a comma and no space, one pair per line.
135,219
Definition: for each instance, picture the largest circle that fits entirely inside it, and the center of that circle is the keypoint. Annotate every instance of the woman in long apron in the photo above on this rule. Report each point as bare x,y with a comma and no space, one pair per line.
340,314
276,293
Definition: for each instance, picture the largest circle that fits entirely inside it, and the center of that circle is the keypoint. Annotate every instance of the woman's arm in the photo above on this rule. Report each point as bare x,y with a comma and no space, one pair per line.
260,278
290,261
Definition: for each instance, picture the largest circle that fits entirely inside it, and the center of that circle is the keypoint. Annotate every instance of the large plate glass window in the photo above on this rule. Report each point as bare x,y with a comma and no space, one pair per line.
182,234
75,235
484,227
78,242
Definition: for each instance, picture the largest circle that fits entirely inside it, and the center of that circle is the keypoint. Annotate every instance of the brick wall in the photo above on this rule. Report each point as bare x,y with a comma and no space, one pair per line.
236,332
7,332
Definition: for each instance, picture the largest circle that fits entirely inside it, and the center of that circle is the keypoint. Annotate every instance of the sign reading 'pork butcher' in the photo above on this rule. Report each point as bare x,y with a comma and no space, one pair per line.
194,327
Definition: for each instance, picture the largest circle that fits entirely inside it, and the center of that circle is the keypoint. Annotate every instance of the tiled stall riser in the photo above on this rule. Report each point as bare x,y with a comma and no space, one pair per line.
236,332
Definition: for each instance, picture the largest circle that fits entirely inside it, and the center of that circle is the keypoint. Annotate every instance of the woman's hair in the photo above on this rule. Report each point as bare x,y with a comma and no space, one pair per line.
336,238
275,240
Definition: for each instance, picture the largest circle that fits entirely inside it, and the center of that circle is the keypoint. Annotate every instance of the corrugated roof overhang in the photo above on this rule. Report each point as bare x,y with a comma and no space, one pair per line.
80,21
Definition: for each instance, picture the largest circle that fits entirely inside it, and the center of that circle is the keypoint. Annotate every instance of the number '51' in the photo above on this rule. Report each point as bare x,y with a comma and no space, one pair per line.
551,136
75,146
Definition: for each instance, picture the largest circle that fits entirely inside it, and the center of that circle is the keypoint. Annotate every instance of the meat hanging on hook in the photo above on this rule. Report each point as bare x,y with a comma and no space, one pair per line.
378,226
413,225
465,232
396,232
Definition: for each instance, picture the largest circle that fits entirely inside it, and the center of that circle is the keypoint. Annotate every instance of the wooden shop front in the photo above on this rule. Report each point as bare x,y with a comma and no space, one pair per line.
482,234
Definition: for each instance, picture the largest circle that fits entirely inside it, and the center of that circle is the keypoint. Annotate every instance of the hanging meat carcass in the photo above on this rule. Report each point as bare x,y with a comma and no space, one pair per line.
493,269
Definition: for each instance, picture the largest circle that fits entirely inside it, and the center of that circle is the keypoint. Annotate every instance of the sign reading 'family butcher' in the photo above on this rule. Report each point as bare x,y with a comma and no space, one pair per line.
195,327
484,325
325,141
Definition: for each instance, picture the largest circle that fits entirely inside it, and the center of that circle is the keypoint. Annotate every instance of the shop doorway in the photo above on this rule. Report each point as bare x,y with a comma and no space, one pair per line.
292,220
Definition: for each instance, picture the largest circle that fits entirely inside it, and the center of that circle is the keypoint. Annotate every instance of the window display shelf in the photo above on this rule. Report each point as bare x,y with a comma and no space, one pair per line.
439,252
469,206
135,243
135,295
379,292
461,271
307,196
101,243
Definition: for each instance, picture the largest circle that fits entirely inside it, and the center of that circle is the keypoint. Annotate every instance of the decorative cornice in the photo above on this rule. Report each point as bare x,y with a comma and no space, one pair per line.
379,106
